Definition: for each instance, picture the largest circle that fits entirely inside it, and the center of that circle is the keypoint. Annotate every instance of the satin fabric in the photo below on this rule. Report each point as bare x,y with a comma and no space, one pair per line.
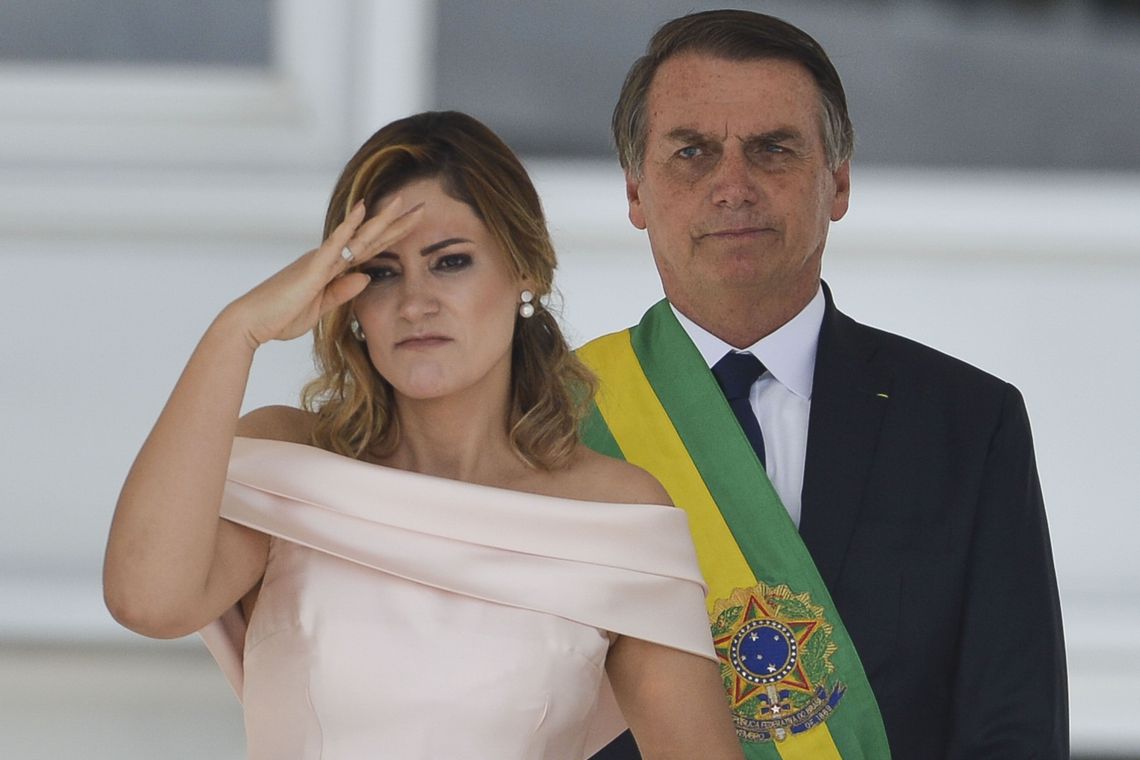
408,616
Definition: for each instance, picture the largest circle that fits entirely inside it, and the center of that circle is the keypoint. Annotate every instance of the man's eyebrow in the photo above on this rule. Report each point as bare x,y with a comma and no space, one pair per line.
690,135
686,134
774,136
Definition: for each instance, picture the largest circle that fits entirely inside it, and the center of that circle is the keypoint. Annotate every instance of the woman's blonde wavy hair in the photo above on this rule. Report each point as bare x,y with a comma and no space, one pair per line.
550,388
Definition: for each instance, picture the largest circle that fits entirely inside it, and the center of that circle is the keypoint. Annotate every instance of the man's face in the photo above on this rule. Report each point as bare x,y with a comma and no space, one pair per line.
735,191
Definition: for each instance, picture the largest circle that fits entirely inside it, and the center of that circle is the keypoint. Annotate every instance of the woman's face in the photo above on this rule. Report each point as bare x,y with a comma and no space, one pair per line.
439,314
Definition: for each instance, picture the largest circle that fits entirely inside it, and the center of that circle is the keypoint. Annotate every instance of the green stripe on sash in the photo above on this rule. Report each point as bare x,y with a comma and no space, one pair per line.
717,444
597,435
757,567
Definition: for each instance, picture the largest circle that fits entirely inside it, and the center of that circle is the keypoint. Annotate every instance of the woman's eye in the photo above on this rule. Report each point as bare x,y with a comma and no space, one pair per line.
378,274
452,262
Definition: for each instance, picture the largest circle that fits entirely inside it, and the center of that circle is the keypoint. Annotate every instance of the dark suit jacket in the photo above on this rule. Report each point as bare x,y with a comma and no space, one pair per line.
923,512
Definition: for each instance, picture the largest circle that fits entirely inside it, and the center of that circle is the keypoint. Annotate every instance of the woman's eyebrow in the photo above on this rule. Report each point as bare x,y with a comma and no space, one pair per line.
424,251
442,244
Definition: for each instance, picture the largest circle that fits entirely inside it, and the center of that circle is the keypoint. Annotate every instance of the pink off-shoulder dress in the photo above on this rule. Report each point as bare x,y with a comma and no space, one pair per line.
406,616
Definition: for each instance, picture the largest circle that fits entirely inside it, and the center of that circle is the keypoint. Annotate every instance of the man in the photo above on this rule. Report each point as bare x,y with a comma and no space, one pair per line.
866,510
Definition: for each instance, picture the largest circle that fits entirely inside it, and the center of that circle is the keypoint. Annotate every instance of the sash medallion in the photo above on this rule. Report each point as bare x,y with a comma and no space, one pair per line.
775,649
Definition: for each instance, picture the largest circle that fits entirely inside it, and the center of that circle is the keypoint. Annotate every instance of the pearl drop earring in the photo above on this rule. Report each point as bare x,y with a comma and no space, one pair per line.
526,310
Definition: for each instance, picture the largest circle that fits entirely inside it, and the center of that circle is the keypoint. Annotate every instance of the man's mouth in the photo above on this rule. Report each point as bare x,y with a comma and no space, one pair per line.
737,233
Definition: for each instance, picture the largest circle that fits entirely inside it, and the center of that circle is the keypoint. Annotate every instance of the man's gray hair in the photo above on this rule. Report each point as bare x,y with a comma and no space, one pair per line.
736,36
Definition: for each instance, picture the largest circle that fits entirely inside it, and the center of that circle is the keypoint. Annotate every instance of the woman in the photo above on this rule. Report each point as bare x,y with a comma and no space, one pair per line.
426,561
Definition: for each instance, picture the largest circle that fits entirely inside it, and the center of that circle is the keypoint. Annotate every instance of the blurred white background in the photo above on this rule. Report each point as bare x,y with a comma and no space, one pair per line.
159,158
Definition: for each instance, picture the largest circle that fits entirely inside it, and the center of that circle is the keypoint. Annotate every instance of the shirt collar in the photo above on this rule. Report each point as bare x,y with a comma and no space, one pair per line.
788,353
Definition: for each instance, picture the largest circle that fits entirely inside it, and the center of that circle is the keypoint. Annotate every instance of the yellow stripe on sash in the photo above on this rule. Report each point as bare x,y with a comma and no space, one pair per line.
647,438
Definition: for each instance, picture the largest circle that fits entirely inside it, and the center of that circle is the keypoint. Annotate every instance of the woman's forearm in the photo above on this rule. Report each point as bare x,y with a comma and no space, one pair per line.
164,533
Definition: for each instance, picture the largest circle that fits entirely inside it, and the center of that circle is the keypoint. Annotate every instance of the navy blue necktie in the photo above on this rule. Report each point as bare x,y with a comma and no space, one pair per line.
735,373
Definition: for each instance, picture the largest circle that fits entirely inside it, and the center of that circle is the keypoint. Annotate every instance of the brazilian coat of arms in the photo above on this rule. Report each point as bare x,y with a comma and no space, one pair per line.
775,649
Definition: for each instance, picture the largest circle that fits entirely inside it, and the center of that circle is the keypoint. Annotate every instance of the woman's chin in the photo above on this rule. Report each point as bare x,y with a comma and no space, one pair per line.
425,390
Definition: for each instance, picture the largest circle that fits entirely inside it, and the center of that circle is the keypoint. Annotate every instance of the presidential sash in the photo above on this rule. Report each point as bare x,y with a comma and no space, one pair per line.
795,683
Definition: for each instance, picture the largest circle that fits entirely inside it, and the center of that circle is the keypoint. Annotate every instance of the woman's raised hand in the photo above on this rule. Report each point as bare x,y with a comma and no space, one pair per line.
289,303
172,565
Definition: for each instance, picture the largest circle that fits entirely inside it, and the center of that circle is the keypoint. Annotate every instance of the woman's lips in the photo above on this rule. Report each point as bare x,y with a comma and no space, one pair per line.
423,341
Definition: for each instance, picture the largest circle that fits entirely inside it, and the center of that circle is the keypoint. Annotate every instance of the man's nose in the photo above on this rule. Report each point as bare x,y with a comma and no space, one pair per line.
734,181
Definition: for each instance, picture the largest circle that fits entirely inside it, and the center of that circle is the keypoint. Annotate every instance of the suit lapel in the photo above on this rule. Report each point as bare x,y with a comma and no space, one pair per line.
847,411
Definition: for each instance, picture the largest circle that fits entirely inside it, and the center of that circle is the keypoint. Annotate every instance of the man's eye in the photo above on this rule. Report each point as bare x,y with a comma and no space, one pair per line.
452,262
690,151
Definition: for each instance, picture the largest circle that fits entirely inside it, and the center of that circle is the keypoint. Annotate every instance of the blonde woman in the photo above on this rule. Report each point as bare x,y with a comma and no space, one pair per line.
423,561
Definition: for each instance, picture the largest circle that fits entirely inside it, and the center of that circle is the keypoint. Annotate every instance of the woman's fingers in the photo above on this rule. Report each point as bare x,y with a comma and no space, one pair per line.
355,240
399,227
342,290
287,304
375,235
331,250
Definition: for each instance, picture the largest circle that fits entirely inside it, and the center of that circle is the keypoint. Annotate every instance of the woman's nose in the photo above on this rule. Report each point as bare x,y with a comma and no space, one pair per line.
417,298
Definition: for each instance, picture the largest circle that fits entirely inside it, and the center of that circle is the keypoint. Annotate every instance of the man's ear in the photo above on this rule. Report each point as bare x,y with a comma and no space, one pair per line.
632,195
842,177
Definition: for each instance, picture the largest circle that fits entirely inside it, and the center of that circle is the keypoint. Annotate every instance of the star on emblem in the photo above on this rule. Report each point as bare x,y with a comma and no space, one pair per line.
757,608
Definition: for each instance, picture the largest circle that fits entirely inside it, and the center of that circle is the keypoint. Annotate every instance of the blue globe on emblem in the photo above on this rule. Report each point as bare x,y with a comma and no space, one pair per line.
763,651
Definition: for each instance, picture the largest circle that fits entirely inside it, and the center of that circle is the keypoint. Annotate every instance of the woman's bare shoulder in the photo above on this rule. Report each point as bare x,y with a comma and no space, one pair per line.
278,423
595,477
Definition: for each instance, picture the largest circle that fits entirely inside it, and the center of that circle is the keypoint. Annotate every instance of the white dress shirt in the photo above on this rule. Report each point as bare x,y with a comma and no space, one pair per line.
781,397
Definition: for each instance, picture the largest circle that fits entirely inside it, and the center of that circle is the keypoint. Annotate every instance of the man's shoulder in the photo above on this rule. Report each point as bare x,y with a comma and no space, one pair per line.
921,365
605,340
924,357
